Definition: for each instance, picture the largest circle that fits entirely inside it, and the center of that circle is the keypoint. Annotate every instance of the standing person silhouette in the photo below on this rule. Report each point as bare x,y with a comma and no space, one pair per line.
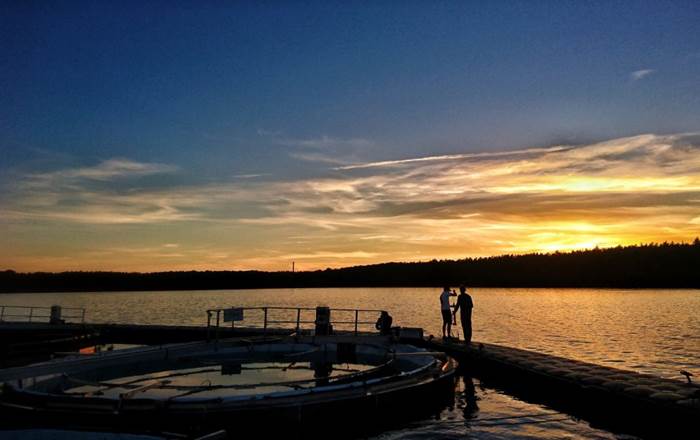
446,312
465,306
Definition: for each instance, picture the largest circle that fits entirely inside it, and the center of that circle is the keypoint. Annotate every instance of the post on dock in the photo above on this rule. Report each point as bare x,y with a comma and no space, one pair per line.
55,315
218,328
208,325
323,321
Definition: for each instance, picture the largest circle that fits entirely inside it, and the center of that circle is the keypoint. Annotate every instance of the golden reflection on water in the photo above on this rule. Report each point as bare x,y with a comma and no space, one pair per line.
654,331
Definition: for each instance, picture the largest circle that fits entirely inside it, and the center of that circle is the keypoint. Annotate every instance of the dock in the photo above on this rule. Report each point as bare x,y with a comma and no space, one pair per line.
618,400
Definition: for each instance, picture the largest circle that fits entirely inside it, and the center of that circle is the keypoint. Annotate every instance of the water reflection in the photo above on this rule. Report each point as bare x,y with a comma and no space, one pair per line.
467,399
488,413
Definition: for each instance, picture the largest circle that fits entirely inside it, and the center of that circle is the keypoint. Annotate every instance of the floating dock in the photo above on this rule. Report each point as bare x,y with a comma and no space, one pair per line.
265,385
609,398
616,399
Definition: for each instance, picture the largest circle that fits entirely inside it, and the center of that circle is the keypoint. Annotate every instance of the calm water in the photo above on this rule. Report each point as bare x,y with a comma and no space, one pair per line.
652,331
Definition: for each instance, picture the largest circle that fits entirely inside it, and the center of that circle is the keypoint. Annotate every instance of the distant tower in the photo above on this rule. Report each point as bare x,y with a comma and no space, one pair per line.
292,267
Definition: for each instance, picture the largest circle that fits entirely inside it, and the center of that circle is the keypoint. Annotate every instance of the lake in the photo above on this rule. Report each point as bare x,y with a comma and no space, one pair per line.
650,331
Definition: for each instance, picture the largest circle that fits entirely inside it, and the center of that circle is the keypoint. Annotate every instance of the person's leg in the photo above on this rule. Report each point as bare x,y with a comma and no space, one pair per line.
448,321
467,327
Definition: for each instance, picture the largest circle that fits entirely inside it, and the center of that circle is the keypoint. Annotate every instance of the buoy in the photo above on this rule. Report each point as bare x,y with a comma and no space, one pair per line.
640,390
665,387
593,380
688,391
692,403
666,396
615,385
575,375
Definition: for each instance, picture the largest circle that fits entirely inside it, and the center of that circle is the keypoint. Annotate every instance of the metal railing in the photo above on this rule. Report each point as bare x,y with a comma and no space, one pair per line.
302,318
39,314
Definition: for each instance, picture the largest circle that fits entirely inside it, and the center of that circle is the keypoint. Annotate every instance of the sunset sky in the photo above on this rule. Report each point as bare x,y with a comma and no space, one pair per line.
208,135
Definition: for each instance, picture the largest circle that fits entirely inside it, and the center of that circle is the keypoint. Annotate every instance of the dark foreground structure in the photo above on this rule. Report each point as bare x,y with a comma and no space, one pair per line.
297,383
195,388
613,399
399,382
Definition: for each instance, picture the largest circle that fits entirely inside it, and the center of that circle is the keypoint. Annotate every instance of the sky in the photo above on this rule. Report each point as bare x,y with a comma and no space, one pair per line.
144,136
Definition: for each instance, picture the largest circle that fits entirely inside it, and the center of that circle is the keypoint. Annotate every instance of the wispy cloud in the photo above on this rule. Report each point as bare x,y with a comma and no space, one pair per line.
621,191
449,157
326,142
642,73
248,176
326,149
107,170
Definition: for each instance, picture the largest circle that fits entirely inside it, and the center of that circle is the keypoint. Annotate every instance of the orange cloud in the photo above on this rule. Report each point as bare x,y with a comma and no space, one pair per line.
622,191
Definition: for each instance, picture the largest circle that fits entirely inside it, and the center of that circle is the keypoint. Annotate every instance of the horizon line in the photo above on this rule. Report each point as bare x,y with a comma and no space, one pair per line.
693,242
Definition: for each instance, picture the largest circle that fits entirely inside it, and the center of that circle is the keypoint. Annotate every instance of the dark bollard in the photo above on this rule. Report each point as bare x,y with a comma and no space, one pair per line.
55,315
323,321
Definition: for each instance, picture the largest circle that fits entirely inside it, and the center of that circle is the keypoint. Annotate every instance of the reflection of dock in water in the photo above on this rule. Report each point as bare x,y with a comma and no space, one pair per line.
618,399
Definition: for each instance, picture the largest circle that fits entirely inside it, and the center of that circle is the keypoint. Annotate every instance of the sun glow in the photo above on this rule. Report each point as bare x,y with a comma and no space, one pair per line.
620,192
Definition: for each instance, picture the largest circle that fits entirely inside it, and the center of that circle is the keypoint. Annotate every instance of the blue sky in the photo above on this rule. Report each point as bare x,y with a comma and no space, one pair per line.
224,93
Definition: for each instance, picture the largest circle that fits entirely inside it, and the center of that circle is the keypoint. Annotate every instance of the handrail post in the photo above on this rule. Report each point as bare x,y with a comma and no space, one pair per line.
31,312
265,322
356,313
2,313
298,319
208,325
218,314
82,316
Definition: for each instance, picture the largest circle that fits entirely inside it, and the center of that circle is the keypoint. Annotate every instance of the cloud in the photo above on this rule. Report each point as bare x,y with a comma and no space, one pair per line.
101,194
105,171
642,73
401,162
326,149
620,191
326,143
249,176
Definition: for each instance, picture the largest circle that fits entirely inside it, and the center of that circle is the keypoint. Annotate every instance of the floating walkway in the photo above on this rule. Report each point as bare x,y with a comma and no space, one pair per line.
617,399
610,398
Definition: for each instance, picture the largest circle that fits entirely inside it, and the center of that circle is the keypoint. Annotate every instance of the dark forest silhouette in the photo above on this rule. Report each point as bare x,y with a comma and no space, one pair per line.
672,265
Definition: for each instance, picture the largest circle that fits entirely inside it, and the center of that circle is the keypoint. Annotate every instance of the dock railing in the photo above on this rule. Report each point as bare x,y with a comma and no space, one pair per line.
295,318
40,314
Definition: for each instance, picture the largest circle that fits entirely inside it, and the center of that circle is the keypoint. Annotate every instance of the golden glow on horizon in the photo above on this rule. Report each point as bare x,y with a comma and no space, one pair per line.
620,192
608,184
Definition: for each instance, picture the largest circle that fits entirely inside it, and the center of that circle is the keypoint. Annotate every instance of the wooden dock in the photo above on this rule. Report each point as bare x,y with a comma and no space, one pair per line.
616,399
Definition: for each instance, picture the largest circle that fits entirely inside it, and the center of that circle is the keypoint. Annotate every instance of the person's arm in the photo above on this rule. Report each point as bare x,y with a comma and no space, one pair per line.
456,308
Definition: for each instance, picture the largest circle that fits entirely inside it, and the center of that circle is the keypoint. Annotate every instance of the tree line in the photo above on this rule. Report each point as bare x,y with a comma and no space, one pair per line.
664,265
